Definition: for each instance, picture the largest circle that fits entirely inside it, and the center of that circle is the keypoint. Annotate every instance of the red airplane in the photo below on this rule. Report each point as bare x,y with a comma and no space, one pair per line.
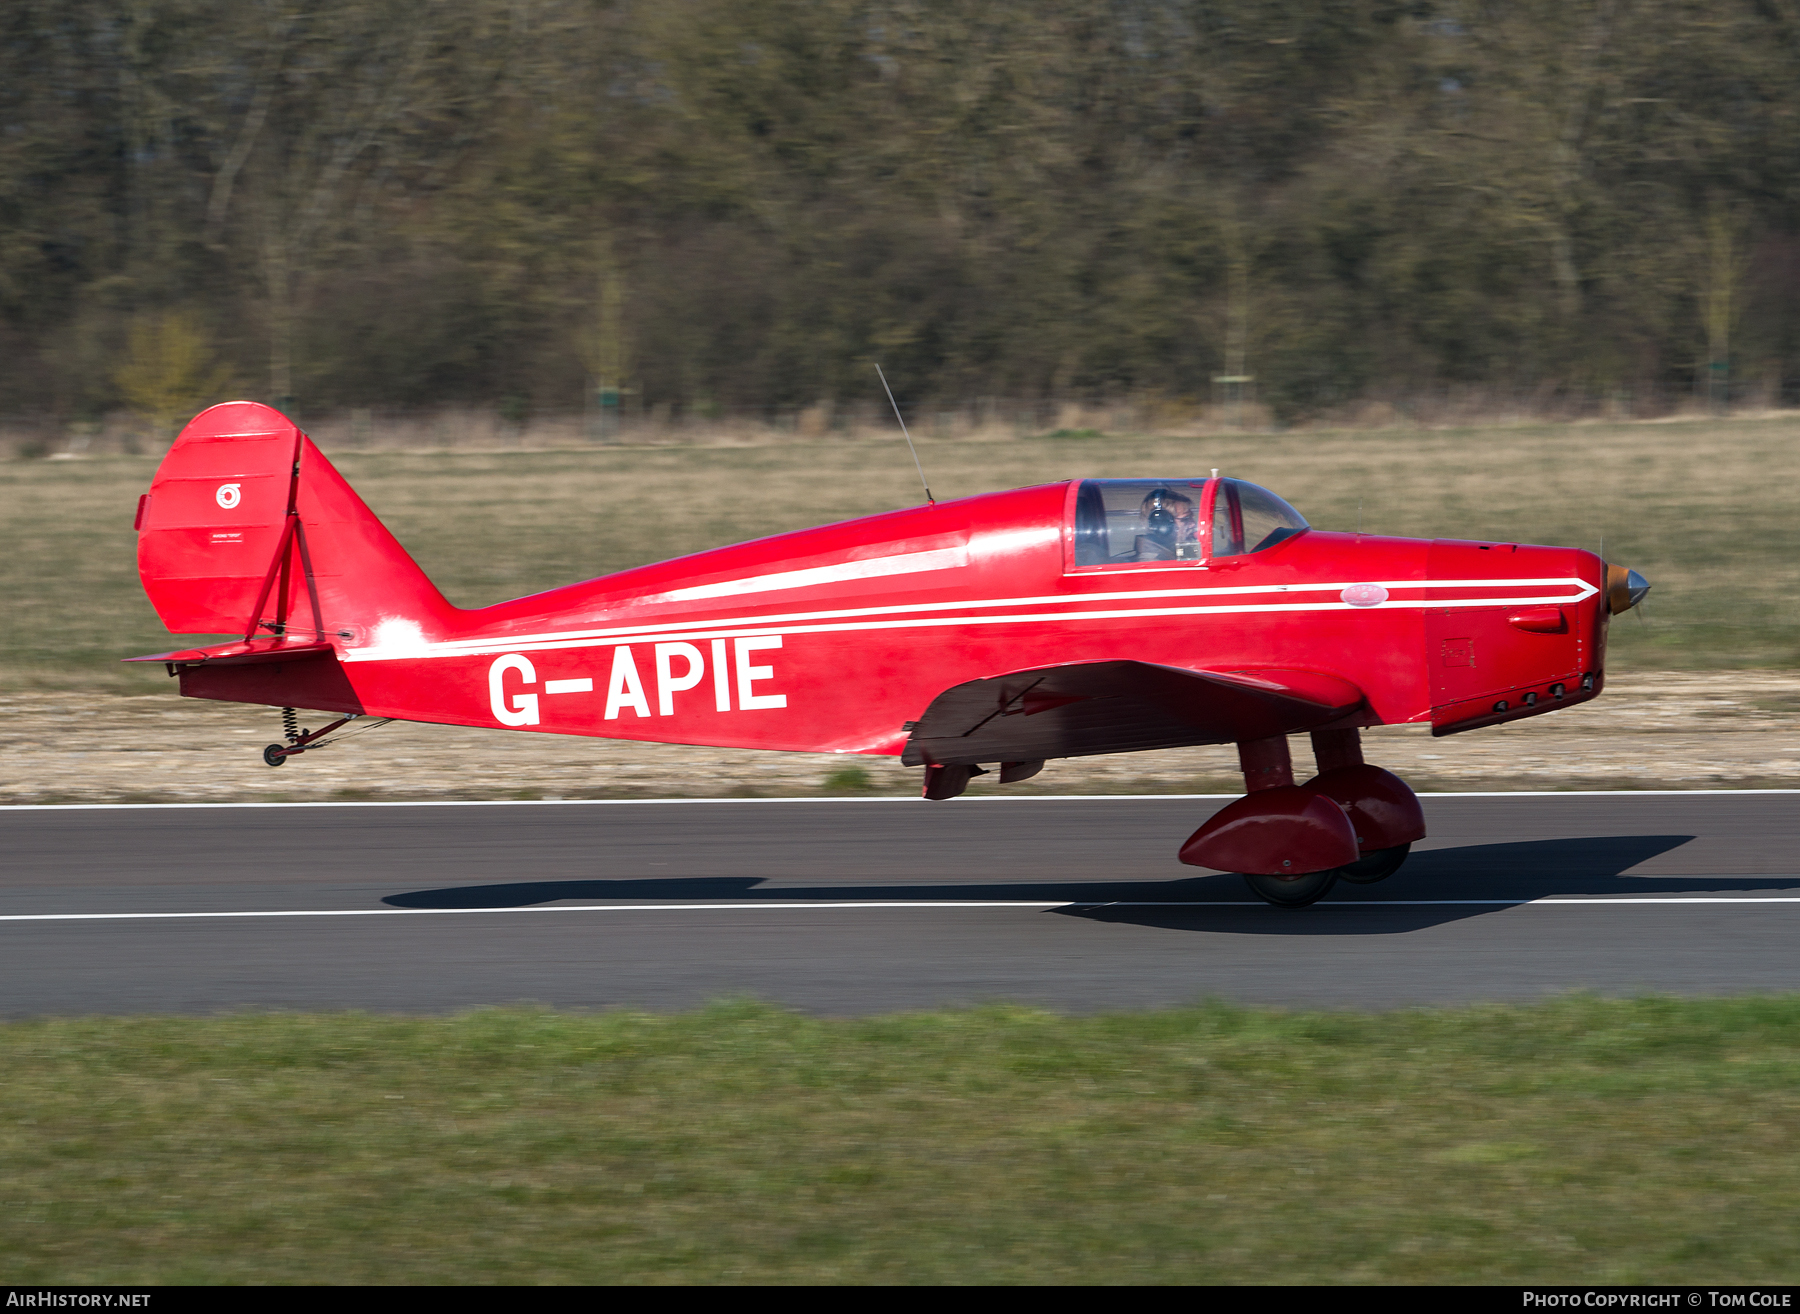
1088,616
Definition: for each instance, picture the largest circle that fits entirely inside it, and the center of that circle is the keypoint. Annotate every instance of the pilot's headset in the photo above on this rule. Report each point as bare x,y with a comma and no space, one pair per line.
1162,515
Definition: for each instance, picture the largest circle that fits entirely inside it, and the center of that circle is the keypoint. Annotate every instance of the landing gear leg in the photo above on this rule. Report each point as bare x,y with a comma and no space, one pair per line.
1267,764
1291,842
1287,842
1384,812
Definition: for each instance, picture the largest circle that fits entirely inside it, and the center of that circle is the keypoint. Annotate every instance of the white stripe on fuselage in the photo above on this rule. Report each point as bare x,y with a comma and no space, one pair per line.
862,618
906,563
1052,599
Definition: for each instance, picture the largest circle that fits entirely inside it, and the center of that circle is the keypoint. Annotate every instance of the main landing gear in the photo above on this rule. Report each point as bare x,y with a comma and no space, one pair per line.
1376,866
1292,843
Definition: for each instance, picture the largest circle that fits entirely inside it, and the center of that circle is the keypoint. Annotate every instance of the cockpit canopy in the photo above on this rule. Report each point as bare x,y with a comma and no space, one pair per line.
1132,521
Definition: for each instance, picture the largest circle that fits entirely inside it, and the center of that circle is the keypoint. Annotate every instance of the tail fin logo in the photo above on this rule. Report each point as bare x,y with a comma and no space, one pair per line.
229,495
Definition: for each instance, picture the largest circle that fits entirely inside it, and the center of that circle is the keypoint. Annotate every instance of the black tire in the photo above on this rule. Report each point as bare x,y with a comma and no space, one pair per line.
275,755
1376,866
1292,891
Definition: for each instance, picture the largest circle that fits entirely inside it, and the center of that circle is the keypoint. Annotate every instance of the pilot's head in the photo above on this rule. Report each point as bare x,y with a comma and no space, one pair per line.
1169,517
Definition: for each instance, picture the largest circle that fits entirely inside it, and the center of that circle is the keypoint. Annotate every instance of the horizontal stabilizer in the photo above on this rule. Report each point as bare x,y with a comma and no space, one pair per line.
1120,707
240,653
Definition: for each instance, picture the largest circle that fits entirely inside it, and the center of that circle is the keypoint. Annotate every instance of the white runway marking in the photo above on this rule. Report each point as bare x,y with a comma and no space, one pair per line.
773,905
530,908
884,798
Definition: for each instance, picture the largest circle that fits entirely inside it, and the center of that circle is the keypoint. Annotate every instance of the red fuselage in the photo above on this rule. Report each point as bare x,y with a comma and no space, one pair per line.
833,639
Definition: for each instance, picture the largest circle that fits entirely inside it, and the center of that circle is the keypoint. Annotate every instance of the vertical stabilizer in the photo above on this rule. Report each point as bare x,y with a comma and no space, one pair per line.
248,529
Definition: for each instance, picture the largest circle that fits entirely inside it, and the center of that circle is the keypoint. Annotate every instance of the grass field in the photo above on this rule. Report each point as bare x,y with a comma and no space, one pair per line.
1703,508
1578,1140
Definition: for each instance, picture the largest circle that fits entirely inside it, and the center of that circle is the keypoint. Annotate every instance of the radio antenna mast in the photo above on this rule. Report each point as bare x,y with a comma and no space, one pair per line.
909,442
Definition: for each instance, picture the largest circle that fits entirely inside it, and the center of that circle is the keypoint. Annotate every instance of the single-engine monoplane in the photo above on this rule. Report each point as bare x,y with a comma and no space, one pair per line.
995,632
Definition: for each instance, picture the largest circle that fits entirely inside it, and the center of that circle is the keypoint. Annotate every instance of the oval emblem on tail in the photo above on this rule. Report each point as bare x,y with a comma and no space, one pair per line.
228,495
1364,595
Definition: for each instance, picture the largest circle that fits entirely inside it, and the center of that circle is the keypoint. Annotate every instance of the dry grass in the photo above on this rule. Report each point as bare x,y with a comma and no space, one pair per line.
1659,730
1701,507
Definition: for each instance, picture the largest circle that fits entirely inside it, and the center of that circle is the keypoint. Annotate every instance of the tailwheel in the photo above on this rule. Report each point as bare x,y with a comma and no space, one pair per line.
1292,891
1376,866
275,754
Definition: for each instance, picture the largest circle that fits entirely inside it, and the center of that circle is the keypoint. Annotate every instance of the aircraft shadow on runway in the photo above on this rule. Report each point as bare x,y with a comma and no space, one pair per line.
1527,869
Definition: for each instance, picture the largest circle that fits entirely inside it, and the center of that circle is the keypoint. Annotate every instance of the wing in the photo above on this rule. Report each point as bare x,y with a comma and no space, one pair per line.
1119,707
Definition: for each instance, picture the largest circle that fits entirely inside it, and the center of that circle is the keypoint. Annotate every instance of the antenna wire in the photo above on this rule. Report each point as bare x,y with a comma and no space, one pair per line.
909,442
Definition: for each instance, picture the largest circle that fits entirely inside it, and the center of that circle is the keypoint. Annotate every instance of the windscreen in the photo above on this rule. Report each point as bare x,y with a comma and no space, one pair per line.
1250,519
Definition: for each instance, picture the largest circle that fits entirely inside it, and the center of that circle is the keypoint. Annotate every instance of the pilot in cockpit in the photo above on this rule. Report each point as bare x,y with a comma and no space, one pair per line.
1171,525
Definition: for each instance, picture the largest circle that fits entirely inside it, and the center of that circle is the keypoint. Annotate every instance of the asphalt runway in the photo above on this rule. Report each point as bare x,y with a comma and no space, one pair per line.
845,907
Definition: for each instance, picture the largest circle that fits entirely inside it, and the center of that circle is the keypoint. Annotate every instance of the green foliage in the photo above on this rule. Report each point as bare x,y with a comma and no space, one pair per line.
740,204
169,372
1578,1140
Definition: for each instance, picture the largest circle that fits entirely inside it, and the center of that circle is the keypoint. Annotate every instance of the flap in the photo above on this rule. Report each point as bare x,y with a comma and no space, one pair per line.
1120,707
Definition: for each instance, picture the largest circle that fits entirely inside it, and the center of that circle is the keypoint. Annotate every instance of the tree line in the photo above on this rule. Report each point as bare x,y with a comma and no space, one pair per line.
737,204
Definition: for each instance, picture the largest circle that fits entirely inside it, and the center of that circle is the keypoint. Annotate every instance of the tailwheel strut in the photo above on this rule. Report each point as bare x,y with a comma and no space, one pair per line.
299,741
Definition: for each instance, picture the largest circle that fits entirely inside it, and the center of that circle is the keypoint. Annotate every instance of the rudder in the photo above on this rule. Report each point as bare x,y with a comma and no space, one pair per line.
248,529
